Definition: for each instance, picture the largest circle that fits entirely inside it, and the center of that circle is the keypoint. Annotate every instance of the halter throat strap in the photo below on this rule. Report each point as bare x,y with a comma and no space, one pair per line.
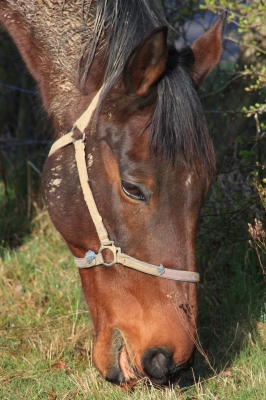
92,259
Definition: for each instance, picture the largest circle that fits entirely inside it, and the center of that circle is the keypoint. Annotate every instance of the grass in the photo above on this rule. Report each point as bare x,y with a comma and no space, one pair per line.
46,334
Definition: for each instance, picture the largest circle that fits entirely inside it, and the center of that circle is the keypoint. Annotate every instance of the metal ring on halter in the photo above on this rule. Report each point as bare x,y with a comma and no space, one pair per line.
115,250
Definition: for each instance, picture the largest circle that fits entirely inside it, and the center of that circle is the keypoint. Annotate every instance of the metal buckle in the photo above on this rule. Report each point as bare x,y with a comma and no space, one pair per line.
115,250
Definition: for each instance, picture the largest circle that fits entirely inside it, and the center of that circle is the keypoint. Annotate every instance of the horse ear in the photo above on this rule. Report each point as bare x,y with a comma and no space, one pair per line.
146,63
207,50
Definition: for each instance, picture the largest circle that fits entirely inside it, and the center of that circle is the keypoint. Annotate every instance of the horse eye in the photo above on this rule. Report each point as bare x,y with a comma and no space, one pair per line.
133,191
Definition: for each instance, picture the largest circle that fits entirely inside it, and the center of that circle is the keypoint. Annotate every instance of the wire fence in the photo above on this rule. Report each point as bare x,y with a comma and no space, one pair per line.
5,144
18,89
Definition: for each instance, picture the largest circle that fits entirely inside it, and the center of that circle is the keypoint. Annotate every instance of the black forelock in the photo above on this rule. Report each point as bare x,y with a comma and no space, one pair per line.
178,125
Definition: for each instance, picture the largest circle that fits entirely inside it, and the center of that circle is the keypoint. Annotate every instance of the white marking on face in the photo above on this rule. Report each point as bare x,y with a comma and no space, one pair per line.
188,181
57,168
56,182
89,160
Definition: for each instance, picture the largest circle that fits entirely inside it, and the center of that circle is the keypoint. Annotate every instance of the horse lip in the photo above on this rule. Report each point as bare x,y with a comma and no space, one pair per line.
121,373
114,373
125,367
123,357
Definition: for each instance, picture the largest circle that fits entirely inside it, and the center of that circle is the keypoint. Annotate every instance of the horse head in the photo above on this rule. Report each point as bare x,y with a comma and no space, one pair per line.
150,163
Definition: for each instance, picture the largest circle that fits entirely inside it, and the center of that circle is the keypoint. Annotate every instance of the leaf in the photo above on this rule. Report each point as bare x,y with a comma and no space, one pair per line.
62,365
80,352
227,372
53,394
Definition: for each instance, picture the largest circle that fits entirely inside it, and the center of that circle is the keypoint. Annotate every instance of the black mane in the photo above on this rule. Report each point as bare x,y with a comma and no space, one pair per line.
178,126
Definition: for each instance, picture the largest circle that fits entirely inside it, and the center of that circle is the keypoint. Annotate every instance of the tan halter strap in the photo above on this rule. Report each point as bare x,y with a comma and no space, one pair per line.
91,259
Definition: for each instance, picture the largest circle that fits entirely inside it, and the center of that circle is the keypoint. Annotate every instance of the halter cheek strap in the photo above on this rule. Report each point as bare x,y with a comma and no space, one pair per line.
92,259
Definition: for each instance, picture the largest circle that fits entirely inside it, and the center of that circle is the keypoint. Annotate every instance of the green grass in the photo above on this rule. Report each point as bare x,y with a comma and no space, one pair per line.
46,334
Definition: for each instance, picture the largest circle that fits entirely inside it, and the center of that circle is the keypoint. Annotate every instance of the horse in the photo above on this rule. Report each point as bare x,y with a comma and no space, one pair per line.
129,172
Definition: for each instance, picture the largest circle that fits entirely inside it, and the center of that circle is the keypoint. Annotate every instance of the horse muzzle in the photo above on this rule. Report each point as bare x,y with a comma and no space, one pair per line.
157,364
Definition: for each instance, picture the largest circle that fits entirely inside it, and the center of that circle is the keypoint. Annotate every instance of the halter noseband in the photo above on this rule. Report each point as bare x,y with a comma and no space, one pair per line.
91,259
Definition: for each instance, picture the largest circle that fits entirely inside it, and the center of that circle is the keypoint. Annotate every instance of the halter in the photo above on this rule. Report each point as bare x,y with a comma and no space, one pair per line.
92,259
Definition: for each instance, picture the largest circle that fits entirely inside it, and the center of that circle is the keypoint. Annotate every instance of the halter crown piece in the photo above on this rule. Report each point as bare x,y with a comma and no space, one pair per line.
91,259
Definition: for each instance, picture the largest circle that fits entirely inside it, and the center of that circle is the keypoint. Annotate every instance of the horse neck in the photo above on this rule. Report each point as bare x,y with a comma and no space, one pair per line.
51,41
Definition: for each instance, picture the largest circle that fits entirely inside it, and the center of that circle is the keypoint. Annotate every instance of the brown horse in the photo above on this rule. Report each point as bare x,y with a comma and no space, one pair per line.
149,160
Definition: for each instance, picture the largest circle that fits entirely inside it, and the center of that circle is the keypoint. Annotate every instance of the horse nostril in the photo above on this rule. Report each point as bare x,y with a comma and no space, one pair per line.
158,364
